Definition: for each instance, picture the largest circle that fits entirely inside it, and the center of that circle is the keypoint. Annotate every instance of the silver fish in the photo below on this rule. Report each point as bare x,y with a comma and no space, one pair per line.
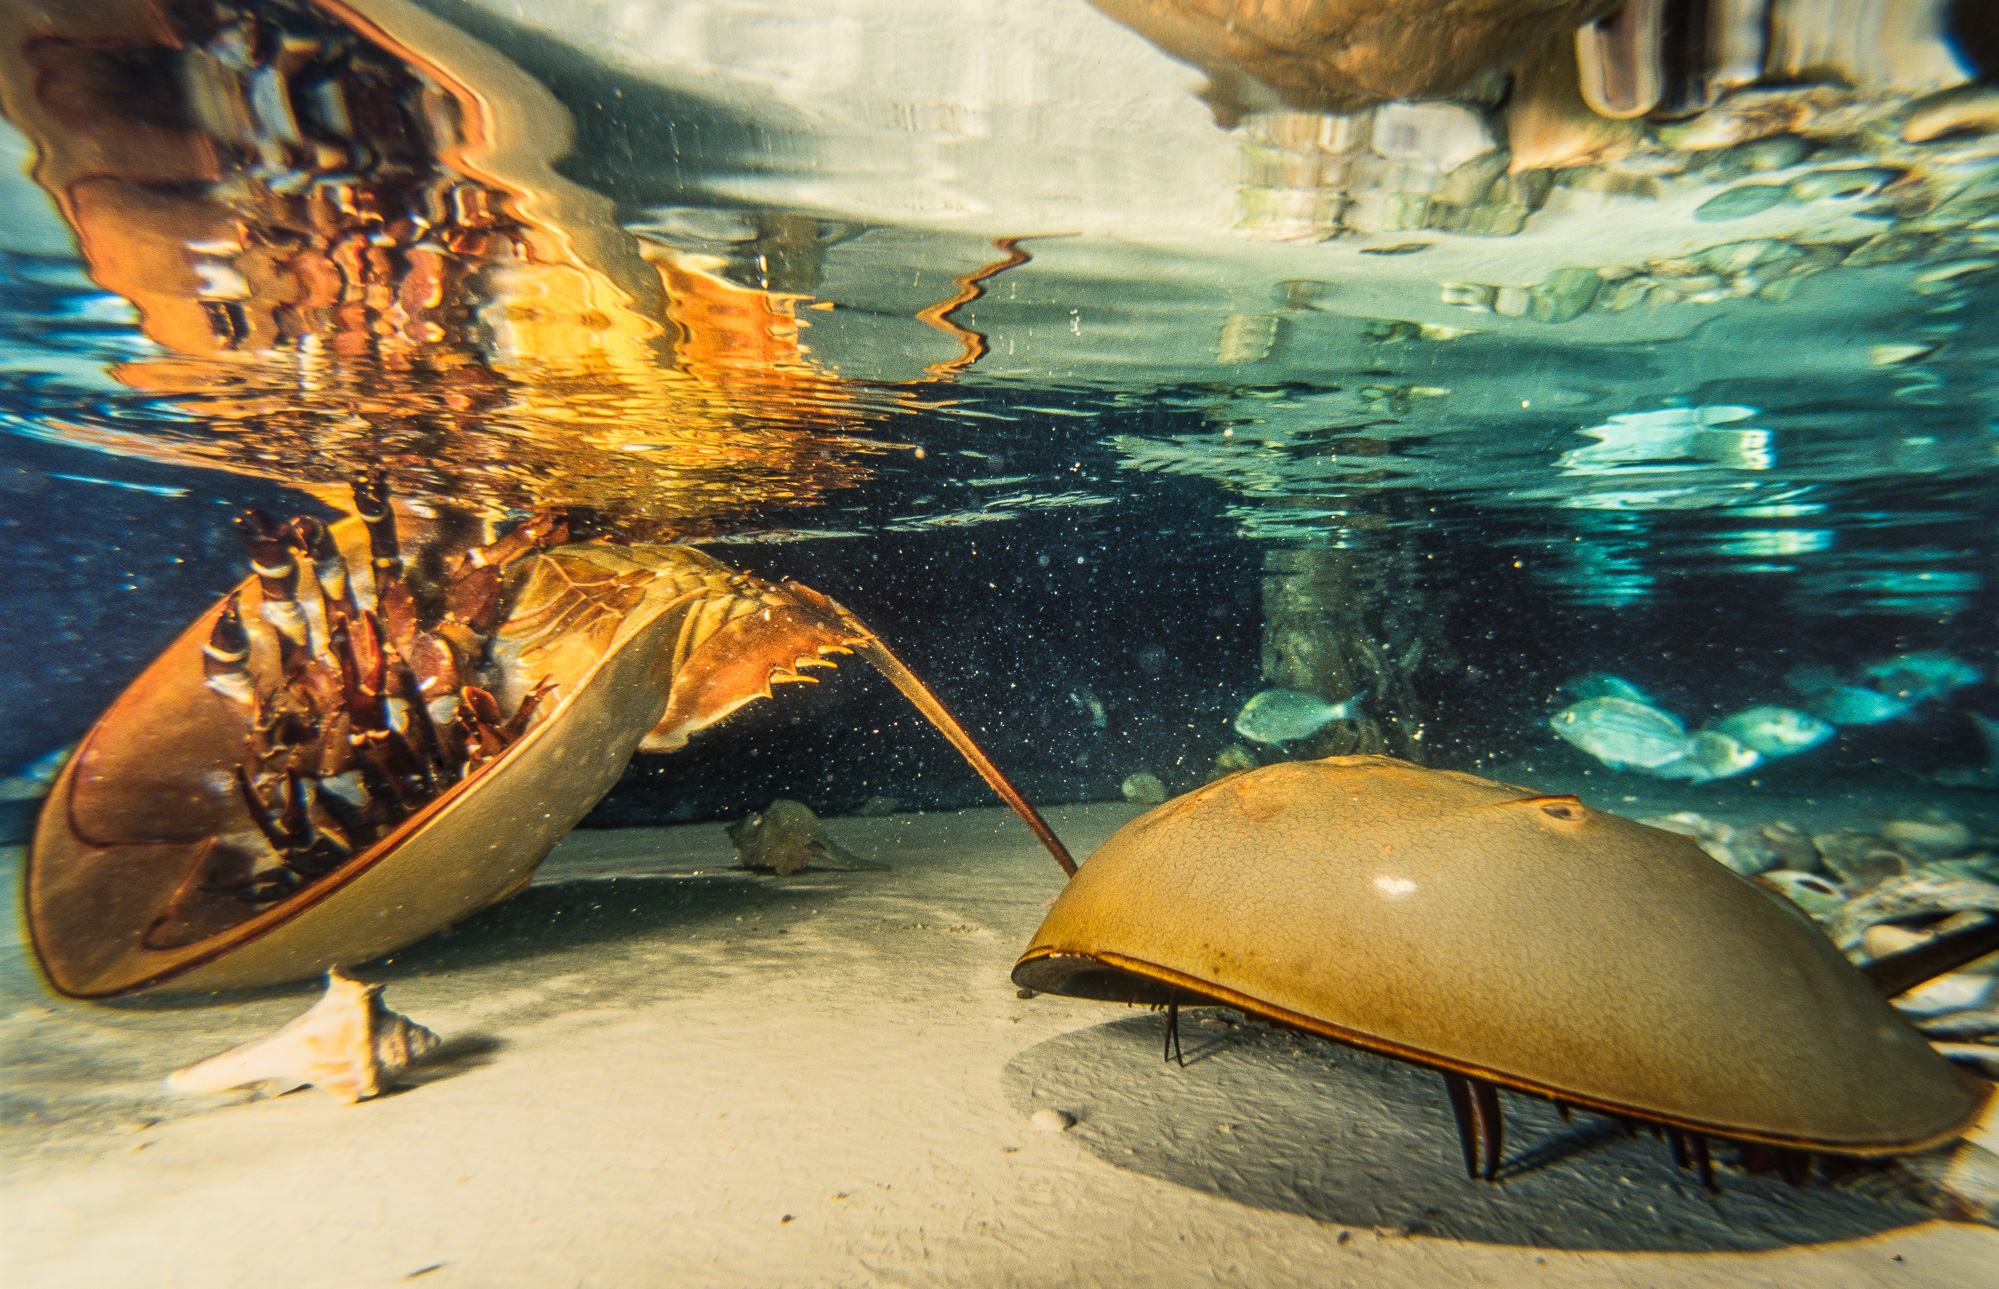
1687,767
1722,756
1858,705
1775,731
1623,734
1601,684
1988,729
1812,678
1924,675
1281,715
31,782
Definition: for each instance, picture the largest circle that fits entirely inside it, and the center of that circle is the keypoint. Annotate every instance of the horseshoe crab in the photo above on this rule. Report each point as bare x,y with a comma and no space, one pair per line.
1507,939
302,781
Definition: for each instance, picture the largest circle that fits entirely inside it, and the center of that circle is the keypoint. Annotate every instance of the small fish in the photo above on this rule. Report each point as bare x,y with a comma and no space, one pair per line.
1924,675
1811,679
1687,767
1090,705
1722,756
1623,734
1858,705
1599,684
1988,729
32,781
1281,715
1775,731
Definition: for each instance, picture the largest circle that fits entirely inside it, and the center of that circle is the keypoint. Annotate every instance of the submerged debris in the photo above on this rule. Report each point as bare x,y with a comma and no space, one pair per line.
786,837
1143,788
349,1044
1881,893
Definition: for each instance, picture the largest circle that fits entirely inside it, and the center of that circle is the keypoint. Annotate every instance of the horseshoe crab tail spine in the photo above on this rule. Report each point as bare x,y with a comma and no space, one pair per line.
1491,1126
1460,1093
934,711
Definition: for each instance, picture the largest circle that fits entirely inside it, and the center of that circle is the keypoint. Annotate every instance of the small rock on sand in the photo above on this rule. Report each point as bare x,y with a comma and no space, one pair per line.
1052,1120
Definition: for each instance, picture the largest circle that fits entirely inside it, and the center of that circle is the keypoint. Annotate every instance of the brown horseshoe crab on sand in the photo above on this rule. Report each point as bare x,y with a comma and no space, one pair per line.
353,750
1507,939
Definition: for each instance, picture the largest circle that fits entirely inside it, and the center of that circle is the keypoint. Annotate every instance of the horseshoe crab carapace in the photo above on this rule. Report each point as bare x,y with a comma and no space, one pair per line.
1507,939
354,749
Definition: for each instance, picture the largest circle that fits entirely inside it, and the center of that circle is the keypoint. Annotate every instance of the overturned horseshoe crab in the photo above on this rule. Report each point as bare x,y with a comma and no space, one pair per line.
354,750
1506,939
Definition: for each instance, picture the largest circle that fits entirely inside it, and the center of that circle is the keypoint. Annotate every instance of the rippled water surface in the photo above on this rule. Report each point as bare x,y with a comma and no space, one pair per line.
1059,382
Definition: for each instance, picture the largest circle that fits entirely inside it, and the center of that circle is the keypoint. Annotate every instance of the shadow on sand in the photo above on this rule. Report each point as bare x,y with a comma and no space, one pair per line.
1290,1123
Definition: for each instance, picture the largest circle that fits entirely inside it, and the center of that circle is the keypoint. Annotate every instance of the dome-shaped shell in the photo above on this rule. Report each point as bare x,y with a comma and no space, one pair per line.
1477,927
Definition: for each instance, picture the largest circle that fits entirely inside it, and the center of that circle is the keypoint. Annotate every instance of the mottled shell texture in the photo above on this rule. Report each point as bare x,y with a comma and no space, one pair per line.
1475,926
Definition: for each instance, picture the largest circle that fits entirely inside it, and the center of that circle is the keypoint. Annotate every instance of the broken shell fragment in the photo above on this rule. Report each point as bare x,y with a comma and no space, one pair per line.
348,1044
1809,891
1967,109
786,838
1911,895
1792,846
1847,182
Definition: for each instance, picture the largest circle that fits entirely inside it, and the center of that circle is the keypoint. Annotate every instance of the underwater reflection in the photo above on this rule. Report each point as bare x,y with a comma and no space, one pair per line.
352,250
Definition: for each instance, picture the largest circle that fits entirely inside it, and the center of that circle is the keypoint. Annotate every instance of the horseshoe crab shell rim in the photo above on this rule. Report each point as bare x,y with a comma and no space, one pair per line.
257,926
1048,970
605,710
1498,934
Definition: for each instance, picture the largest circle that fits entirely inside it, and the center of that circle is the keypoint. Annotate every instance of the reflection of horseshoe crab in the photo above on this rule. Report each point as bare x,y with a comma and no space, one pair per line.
343,225
1289,1123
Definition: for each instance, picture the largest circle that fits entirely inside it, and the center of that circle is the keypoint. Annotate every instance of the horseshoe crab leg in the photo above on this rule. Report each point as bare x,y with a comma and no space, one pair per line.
1491,1126
1459,1091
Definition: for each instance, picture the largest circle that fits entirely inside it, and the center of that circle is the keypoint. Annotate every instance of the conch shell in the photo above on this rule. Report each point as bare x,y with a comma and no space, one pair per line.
786,837
348,1044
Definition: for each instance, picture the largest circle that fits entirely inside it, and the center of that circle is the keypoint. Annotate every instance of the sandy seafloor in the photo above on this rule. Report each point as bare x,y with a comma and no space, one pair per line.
661,1070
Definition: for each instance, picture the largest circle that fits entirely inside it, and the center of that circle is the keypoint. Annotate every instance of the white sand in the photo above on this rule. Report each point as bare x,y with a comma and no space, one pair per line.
656,1077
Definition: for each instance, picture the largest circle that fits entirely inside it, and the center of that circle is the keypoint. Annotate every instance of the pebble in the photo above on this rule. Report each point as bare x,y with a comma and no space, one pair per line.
1792,846
1952,991
1888,938
1052,1120
1144,788
1859,859
1739,203
1855,182
1564,296
1940,839
1911,895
